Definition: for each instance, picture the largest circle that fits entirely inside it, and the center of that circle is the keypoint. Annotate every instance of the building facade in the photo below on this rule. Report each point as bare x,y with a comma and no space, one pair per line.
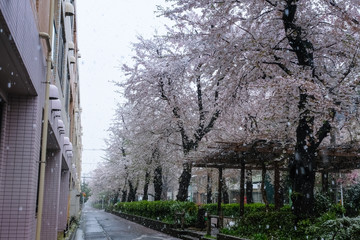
37,99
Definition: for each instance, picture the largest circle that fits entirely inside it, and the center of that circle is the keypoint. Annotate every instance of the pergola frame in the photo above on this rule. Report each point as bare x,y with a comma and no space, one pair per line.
254,155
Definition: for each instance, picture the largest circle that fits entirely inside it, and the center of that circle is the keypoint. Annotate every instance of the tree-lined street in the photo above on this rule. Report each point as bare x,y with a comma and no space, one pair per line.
235,72
270,88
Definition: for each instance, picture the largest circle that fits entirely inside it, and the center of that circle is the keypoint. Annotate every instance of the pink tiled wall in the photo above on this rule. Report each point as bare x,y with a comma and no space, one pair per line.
21,136
49,227
2,139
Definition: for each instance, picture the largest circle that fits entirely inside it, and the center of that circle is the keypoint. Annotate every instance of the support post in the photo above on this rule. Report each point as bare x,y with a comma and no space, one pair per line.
249,186
325,181
209,187
219,209
242,189
277,199
208,224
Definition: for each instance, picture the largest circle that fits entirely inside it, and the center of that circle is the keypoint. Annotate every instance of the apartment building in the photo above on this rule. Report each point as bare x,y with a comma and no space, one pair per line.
40,126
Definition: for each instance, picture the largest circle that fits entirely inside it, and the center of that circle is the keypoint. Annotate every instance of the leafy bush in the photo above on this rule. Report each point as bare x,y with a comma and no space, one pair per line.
339,229
352,201
97,205
159,210
259,236
271,224
323,203
233,209
109,207
188,208
259,224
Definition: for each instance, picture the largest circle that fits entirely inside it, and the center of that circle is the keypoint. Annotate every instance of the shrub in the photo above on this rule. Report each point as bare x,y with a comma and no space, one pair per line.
259,224
233,209
159,210
97,205
340,229
109,207
268,223
352,201
322,204
259,236
188,208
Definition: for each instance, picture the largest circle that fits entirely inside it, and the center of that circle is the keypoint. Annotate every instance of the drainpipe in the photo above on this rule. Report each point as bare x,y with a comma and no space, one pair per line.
48,38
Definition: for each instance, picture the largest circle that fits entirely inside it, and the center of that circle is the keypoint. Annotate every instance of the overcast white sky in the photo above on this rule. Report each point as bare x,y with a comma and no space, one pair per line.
105,30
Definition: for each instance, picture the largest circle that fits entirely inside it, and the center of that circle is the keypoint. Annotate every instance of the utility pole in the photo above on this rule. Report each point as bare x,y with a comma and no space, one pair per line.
82,190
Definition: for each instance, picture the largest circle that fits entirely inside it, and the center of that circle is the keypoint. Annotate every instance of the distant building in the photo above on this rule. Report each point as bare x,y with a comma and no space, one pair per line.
25,37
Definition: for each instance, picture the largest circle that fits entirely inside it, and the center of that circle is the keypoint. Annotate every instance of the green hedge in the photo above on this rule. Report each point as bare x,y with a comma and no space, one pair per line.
233,209
160,210
340,228
257,224
266,225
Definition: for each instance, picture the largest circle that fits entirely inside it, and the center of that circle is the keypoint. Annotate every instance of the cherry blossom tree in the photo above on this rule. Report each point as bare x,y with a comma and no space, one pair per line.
106,180
307,50
275,69
144,149
168,79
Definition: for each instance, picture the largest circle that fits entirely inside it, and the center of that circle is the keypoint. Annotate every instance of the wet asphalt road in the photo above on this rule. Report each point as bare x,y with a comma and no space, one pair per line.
97,224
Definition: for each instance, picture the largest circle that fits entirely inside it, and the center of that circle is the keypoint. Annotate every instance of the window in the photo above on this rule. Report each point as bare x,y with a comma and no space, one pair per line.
61,54
53,42
72,17
67,93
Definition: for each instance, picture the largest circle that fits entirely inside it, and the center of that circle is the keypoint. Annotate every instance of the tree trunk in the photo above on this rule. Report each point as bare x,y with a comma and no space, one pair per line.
124,195
303,181
249,186
158,182
116,196
165,187
209,188
225,192
184,182
146,185
132,192
303,166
